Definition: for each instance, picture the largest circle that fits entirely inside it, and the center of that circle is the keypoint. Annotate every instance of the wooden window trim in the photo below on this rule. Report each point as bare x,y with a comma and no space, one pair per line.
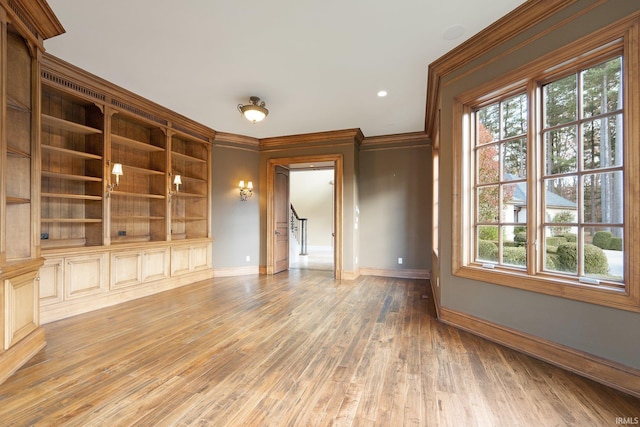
583,53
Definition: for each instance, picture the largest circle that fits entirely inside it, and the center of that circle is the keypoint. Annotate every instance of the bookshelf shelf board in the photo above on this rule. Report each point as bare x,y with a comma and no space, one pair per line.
139,195
132,143
71,220
70,177
62,124
142,171
71,196
187,158
17,200
71,153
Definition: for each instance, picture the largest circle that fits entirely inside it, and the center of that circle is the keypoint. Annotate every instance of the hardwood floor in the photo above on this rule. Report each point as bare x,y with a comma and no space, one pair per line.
297,349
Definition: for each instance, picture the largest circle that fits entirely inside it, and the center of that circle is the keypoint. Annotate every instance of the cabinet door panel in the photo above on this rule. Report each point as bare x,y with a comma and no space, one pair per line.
155,264
180,260
84,275
51,276
22,308
126,269
200,257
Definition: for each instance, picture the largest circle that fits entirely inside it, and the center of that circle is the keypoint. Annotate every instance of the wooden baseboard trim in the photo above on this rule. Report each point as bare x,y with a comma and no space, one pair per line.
350,275
12,359
607,372
401,274
236,271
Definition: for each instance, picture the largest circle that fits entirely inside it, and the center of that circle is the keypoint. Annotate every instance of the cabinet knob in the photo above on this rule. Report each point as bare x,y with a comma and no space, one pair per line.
38,278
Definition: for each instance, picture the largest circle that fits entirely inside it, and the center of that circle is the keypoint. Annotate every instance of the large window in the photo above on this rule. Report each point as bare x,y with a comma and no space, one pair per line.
549,195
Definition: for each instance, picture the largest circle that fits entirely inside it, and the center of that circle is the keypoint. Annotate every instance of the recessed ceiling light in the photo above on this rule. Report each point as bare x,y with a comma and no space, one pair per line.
382,93
453,32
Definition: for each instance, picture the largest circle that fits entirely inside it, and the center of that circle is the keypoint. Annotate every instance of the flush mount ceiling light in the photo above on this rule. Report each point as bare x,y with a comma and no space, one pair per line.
255,111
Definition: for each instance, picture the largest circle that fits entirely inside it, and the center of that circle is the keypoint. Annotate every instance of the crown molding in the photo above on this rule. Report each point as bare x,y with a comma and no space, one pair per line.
517,21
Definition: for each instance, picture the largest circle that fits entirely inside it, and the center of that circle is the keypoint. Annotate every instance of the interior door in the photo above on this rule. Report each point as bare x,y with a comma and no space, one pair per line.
282,217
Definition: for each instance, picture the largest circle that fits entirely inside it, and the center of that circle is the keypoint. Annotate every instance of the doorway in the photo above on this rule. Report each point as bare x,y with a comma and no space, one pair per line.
332,160
312,216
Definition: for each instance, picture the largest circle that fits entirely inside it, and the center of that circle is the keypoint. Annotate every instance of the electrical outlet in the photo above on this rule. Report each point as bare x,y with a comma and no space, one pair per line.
399,260
122,233
248,258
44,236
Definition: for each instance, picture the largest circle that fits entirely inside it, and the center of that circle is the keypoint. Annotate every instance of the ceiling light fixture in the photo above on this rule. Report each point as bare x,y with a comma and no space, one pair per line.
382,93
255,111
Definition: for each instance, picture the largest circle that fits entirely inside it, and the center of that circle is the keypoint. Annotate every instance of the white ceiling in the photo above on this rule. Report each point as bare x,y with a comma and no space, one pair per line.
318,65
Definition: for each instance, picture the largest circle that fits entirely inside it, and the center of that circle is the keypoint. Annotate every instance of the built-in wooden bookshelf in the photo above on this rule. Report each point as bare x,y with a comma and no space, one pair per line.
138,203
72,148
23,27
19,159
108,238
189,205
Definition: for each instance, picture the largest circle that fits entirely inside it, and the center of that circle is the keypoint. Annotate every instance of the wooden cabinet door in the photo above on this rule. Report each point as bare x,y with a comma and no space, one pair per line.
282,208
84,275
22,307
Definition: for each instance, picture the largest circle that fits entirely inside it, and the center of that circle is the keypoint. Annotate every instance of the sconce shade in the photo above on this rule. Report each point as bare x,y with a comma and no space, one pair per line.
177,180
254,111
245,192
117,169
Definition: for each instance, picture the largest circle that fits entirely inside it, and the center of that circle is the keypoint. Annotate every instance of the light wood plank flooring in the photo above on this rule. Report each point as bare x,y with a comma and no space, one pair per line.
294,349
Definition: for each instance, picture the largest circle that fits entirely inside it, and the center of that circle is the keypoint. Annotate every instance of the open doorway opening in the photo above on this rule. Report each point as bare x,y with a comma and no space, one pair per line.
312,230
278,203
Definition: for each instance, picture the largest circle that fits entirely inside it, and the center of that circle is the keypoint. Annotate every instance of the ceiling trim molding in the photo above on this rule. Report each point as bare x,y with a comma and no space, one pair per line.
517,21
400,140
225,139
36,16
335,136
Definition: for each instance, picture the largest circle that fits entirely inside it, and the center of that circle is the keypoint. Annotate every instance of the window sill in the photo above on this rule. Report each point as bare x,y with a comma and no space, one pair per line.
609,296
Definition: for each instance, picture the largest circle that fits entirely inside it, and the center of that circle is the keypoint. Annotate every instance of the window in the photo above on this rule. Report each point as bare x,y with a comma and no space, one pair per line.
549,159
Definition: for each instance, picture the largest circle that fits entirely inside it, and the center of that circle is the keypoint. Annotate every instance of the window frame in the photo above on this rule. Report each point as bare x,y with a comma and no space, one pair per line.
621,38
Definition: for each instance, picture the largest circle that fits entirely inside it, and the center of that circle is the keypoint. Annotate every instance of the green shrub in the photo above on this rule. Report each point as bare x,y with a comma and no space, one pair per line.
564,216
602,238
487,251
555,241
595,260
571,237
488,232
568,257
519,229
551,261
514,256
615,244
520,238
510,244
552,249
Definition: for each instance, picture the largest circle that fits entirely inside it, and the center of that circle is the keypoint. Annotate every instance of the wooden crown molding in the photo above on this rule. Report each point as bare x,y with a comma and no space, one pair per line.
65,76
36,16
400,140
517,21
224,138
346,135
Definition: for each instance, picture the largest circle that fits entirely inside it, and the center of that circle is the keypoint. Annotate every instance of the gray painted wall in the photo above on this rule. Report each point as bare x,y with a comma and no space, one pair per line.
235,224
602,331
395,208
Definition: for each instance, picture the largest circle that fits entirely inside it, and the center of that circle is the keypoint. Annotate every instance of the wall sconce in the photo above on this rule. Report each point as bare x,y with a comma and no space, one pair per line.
117,171
245,192
177,180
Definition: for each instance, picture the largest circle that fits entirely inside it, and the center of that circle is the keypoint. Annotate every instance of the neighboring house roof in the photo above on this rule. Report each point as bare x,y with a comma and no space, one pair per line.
552,199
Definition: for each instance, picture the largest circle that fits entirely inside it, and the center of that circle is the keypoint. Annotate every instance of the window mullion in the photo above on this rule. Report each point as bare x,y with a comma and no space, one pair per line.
533,178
